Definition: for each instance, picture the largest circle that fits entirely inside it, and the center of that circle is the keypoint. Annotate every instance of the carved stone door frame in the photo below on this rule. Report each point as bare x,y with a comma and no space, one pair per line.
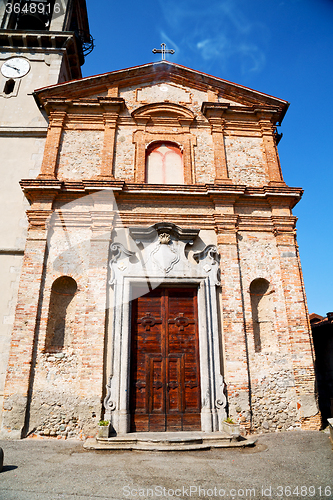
168,266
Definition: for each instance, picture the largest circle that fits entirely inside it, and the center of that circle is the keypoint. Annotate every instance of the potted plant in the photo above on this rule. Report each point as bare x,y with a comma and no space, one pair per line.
231,428
103,429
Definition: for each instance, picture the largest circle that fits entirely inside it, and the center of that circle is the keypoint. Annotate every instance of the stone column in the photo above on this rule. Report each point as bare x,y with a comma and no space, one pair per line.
300,339
234,337
52,145
23,342
272,158
92,372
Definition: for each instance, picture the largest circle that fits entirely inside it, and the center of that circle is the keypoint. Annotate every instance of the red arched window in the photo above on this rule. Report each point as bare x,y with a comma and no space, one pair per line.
164,164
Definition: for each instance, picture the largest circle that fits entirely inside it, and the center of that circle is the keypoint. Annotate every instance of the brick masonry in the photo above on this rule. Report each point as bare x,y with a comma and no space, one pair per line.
234,194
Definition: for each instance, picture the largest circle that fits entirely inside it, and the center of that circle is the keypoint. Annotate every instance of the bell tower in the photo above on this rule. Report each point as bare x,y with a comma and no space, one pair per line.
42,43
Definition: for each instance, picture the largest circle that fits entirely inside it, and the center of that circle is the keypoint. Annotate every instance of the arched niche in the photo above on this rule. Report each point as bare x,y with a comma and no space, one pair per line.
61,313
261,312
164,163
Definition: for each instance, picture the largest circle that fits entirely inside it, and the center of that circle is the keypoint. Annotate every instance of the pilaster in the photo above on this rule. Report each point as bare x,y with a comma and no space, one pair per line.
23,342
298,322
214,114
92,372
52,145
273,164
235,343
110,116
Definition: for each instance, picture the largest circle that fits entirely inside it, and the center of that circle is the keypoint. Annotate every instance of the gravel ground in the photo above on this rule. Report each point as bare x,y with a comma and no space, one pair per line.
283,466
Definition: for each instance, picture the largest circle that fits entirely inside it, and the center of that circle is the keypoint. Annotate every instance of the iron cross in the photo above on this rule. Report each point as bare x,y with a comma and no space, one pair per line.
163,50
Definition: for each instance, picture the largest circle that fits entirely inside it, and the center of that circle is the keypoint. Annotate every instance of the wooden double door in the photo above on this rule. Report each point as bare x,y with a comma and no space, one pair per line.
165,375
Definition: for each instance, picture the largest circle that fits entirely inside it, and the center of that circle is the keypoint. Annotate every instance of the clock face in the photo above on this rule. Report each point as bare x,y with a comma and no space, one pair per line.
16,67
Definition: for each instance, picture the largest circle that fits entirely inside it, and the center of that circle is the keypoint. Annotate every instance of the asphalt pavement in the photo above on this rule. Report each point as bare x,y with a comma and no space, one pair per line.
288,465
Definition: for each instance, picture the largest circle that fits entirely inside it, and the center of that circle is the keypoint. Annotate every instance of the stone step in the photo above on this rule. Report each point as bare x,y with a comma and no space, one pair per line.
168,441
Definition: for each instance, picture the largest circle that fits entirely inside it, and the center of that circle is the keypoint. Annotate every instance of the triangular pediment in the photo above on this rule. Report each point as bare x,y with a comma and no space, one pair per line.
161,82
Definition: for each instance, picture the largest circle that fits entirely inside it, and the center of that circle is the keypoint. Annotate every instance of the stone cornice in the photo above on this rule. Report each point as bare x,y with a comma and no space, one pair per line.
217,111
288,195
23,131
30,39
74,106
147,233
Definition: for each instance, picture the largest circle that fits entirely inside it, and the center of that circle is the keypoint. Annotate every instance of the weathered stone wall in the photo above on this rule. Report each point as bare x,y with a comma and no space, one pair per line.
80,154
270,373
204,156
68,380
163,92
245,160
59,406
124,154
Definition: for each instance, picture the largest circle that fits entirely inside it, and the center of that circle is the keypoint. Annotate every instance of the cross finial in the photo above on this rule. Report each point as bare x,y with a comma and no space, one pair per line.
163,50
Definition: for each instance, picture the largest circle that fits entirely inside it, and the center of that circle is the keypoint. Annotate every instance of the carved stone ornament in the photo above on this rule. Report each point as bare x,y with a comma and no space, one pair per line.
212,267
161,254
164,238
119,253
221,400
164,255
109,405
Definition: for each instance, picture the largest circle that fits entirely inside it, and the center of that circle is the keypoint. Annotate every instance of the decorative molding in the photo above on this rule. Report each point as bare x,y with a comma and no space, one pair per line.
211,257
38,219
11,251
108,403
23,132
163,228
165,112
118,251
221,400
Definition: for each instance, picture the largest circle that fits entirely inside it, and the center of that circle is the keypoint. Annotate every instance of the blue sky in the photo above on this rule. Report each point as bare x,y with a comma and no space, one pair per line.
282,48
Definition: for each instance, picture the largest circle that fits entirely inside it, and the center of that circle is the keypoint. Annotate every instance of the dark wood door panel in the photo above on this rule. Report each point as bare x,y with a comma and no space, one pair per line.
165,383
156,383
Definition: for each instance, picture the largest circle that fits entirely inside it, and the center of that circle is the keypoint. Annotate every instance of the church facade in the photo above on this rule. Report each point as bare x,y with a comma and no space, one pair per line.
161,285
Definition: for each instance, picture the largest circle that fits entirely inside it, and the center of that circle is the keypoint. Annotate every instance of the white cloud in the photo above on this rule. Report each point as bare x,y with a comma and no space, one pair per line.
217,32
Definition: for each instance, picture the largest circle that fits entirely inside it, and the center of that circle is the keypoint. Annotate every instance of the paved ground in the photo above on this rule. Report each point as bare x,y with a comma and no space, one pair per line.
282,466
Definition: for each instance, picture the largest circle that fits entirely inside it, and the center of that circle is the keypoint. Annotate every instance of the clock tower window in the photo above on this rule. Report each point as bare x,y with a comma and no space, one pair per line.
9,87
